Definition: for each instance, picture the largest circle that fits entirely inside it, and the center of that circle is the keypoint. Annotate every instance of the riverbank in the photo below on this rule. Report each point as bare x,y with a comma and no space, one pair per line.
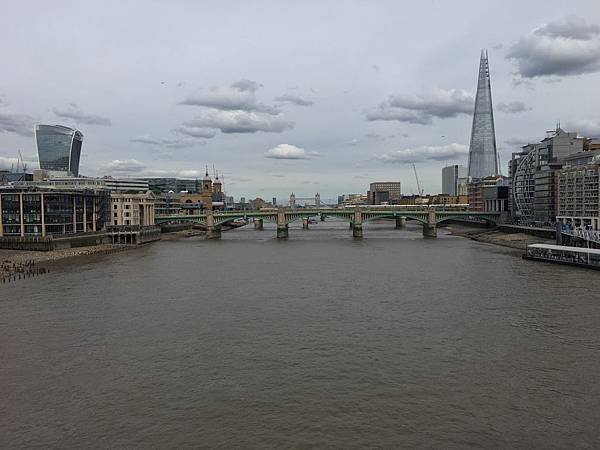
21,264
518,241
18,264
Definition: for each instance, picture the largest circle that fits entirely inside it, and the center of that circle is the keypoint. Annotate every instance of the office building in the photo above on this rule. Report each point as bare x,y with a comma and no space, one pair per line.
45,211
59,149
483,157
532,172
132,209
384,192
579,195
451,179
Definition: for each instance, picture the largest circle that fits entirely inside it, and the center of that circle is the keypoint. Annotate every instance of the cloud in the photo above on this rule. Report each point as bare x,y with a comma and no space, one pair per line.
20,124
240,95
124,166
566,47
375,68
73,112
513,107
518,141
422,109
294,99
352,142
202,133
240,121
425,153
587,127
288,151
170,143
571,27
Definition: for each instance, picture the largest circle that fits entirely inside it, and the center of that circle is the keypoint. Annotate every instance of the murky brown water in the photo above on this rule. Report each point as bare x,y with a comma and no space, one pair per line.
317,342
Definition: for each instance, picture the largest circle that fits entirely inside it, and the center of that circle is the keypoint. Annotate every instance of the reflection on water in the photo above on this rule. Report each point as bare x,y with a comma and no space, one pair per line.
317,341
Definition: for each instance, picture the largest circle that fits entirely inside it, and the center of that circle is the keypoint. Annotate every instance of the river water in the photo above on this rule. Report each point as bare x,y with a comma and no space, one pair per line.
319,341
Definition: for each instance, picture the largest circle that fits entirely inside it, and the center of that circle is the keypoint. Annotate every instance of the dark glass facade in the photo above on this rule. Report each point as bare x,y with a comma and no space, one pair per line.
59,148
47,213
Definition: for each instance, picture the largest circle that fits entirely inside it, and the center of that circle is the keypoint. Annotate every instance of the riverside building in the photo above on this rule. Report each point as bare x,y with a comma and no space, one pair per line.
533,172
32,214
579,195
384,192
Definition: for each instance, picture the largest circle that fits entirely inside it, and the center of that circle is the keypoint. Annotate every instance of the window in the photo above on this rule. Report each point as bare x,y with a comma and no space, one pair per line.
116,206
116,215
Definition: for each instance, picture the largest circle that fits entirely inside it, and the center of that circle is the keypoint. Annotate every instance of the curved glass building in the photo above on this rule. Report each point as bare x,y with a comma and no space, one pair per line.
59,149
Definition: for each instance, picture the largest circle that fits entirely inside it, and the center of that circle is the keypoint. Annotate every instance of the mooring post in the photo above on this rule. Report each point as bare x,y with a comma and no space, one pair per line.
430,228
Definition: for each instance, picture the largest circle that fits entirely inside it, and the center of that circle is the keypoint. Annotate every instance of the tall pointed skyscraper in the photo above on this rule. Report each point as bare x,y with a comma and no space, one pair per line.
483,158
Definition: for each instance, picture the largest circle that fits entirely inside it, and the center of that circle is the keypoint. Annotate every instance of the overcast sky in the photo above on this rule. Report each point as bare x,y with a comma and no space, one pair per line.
292,96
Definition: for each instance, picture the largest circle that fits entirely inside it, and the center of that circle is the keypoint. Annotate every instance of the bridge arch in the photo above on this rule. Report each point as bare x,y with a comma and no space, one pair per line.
491,220
418,218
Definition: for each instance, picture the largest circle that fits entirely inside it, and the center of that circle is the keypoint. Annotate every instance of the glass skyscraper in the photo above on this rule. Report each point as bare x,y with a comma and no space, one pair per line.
59,149
483,158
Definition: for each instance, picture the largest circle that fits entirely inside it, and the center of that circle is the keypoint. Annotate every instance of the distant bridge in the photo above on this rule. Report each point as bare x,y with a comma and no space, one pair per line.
430,218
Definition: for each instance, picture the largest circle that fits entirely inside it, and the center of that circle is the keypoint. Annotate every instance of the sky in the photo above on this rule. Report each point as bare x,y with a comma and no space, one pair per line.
311,96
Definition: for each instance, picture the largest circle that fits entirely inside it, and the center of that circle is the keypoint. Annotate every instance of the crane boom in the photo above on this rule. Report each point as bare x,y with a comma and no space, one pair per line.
418,182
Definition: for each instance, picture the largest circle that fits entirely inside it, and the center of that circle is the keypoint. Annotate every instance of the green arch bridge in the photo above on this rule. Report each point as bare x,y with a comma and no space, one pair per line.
428,217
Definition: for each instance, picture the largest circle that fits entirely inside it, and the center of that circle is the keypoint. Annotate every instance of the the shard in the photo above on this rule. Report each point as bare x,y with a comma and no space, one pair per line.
483,158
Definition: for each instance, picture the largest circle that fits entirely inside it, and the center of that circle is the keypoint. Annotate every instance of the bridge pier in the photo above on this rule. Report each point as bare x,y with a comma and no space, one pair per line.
282,226
430,228
305,223
258,224
357,231
322,218
400,222
213,232
282,231
429,231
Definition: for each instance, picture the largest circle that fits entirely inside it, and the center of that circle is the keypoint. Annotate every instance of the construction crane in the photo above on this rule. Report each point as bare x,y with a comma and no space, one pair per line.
419,190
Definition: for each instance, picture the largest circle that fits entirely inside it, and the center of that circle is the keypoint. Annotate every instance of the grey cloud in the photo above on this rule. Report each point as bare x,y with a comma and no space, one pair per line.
571,27
170,143
588,128
246,85
562,48
294,99
517,141
425,153
20,124
203,133
238,96
422,109
73,112
513,107
241,121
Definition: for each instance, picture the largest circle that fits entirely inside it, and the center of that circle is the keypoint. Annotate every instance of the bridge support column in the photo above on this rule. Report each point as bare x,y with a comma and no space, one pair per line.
282,227
430,228
322,218
400,222
305,223
212,231
258,224
282,231
357,231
